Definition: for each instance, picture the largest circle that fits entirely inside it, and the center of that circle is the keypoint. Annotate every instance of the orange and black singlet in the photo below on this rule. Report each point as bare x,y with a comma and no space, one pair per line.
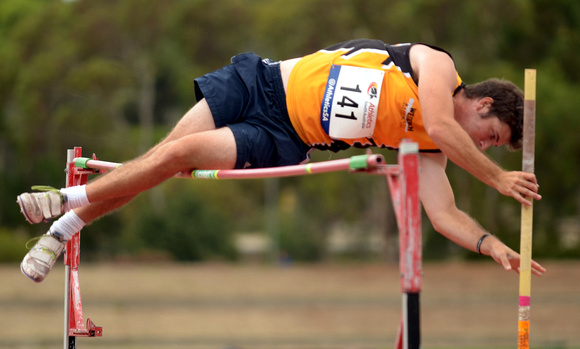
358,93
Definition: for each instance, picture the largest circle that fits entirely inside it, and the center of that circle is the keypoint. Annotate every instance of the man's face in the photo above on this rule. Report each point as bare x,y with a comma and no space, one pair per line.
488,131
485,131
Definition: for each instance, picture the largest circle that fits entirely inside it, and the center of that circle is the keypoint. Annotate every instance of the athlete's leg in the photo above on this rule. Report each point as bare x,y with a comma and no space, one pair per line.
121,185
197,120
209,149
194,142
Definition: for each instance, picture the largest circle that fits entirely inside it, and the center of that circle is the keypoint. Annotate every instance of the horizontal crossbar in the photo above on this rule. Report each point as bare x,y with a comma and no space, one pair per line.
372,163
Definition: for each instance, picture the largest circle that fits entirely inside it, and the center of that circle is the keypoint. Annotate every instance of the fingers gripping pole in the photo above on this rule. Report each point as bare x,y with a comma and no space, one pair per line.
527,211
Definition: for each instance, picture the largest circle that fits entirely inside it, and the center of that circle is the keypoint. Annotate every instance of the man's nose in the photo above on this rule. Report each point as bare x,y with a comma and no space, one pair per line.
483,145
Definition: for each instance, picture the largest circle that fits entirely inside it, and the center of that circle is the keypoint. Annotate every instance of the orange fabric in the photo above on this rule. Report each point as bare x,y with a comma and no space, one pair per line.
399,110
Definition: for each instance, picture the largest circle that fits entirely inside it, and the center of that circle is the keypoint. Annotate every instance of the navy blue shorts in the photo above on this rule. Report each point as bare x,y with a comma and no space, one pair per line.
248,97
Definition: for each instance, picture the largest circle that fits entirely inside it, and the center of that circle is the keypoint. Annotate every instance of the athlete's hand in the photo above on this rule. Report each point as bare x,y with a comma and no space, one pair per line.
519,185
509,259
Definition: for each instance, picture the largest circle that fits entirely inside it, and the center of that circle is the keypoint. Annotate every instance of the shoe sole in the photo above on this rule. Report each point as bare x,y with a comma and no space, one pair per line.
28,276
23,210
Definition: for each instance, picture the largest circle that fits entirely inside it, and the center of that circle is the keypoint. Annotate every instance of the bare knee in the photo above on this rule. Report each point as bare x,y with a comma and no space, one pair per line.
210,149
173,158
197,119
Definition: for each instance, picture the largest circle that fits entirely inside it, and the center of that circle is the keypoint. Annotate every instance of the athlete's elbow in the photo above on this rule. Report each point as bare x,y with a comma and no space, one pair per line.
436,132
441,220
438,224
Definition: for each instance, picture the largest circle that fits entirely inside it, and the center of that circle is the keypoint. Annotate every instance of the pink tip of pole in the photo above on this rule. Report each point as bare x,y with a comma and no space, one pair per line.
525,301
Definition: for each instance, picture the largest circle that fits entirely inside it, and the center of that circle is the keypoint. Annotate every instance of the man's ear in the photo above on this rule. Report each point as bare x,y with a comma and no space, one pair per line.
484,103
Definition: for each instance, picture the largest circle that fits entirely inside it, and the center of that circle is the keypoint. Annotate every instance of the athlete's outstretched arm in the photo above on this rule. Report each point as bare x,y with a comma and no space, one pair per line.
439,203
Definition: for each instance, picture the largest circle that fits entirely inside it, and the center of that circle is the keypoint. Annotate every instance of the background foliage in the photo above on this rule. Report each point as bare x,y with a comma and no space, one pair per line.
114,76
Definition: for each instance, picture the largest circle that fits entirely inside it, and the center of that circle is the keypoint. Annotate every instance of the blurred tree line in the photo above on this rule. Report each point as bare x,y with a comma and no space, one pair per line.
114,76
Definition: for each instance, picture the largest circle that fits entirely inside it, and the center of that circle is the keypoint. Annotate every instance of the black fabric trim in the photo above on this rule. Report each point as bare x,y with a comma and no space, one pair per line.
358,44
400,56
337,146
459,88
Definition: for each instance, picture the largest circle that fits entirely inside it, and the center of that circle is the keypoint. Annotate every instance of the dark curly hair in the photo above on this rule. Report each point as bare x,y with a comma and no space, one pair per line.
508,105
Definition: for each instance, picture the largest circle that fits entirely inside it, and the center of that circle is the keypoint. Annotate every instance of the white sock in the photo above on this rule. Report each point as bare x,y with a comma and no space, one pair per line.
67,226
75,197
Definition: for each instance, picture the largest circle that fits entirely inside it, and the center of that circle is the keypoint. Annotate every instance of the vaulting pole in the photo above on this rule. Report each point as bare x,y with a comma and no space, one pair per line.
527,212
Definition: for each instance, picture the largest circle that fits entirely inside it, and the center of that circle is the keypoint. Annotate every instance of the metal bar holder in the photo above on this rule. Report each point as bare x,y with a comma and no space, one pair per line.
74,325
403,181
404,188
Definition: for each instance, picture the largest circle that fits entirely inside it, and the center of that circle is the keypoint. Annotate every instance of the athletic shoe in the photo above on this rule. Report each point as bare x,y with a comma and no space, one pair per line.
43,206
41,258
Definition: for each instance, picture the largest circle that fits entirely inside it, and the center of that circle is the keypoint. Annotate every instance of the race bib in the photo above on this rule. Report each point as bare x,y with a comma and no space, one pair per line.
350,102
